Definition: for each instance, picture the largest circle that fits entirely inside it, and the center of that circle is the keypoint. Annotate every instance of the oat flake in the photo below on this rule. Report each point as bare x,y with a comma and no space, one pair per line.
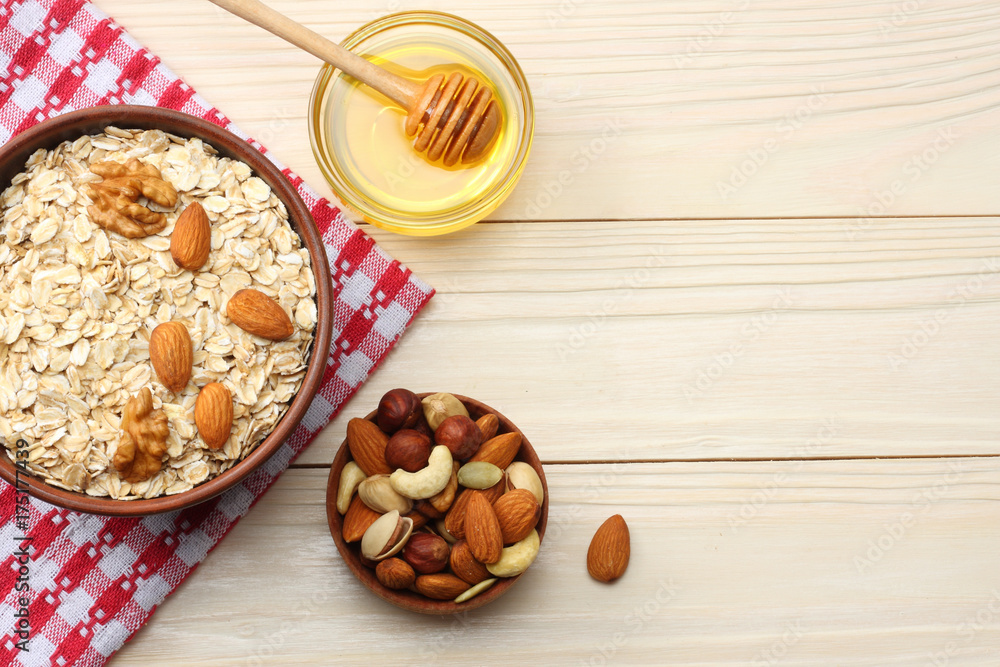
81,304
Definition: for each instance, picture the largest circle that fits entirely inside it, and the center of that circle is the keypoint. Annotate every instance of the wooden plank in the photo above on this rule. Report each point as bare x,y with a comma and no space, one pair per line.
711,339
808,563
686,109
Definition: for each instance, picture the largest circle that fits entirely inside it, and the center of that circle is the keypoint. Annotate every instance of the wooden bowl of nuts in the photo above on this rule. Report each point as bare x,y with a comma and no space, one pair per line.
164,288
436,502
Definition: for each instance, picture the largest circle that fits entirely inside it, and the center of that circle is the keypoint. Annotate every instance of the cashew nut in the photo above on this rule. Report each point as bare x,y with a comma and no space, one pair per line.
516,558
427,482
350,477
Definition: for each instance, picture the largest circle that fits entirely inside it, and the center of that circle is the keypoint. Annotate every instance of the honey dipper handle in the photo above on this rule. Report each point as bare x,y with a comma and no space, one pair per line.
398,89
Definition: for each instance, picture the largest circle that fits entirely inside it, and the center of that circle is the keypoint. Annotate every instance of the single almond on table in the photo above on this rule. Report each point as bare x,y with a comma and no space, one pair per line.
357,520
499,450
482,531
609,551
171,354
258,314
517,513
367,443
213,414
191,240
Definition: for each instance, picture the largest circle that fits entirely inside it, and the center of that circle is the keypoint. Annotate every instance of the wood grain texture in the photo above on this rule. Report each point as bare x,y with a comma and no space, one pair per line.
724,108
798,577
748,230
711,339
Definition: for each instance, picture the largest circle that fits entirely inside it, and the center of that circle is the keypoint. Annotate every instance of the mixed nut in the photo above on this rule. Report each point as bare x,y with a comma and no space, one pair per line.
436,498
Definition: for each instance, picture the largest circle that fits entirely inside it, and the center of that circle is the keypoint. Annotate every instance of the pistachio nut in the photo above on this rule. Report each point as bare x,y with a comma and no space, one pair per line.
479,475
476,590
386,536
438,407
516,558
377,492
350,477
521,475
426,482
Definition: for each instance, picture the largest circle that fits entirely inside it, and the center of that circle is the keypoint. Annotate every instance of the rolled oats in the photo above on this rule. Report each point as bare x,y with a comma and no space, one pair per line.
78,305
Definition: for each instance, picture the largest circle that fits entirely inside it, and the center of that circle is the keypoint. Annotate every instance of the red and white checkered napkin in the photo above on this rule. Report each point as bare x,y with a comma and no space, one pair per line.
93,581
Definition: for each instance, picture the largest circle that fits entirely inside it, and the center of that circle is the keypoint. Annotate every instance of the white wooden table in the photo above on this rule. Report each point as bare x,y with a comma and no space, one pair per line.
758,319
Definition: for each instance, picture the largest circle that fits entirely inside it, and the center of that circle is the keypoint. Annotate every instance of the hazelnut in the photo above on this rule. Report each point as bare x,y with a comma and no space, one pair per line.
427,553
395,573
409,450
398,409
423,427
459,434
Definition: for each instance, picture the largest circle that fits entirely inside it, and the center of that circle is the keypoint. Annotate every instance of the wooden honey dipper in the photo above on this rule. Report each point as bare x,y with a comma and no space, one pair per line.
459,117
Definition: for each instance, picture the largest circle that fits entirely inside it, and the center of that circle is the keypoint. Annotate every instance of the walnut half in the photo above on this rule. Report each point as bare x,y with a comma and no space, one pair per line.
143,441
115,198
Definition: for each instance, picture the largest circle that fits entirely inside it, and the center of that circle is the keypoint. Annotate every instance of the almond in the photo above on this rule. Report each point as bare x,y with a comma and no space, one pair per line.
191,240
258,314
357,520
213,414
488,425
441,586
517,513
171,354
465,565
454,521
444,500
367,443
608,555
395,573
482,531
428,511
493,493
419,520
500,450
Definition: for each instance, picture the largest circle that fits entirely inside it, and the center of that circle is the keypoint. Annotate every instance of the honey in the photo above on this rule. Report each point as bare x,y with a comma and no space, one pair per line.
360,142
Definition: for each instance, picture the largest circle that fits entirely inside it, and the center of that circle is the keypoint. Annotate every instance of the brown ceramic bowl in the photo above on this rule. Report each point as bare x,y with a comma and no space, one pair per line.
50,134
411,600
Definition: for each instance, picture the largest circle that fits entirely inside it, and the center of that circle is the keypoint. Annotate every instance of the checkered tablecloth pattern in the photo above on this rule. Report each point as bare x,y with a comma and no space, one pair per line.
93,581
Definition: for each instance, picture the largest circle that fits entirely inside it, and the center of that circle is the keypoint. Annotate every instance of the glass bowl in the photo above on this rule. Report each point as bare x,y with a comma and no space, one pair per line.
358,139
